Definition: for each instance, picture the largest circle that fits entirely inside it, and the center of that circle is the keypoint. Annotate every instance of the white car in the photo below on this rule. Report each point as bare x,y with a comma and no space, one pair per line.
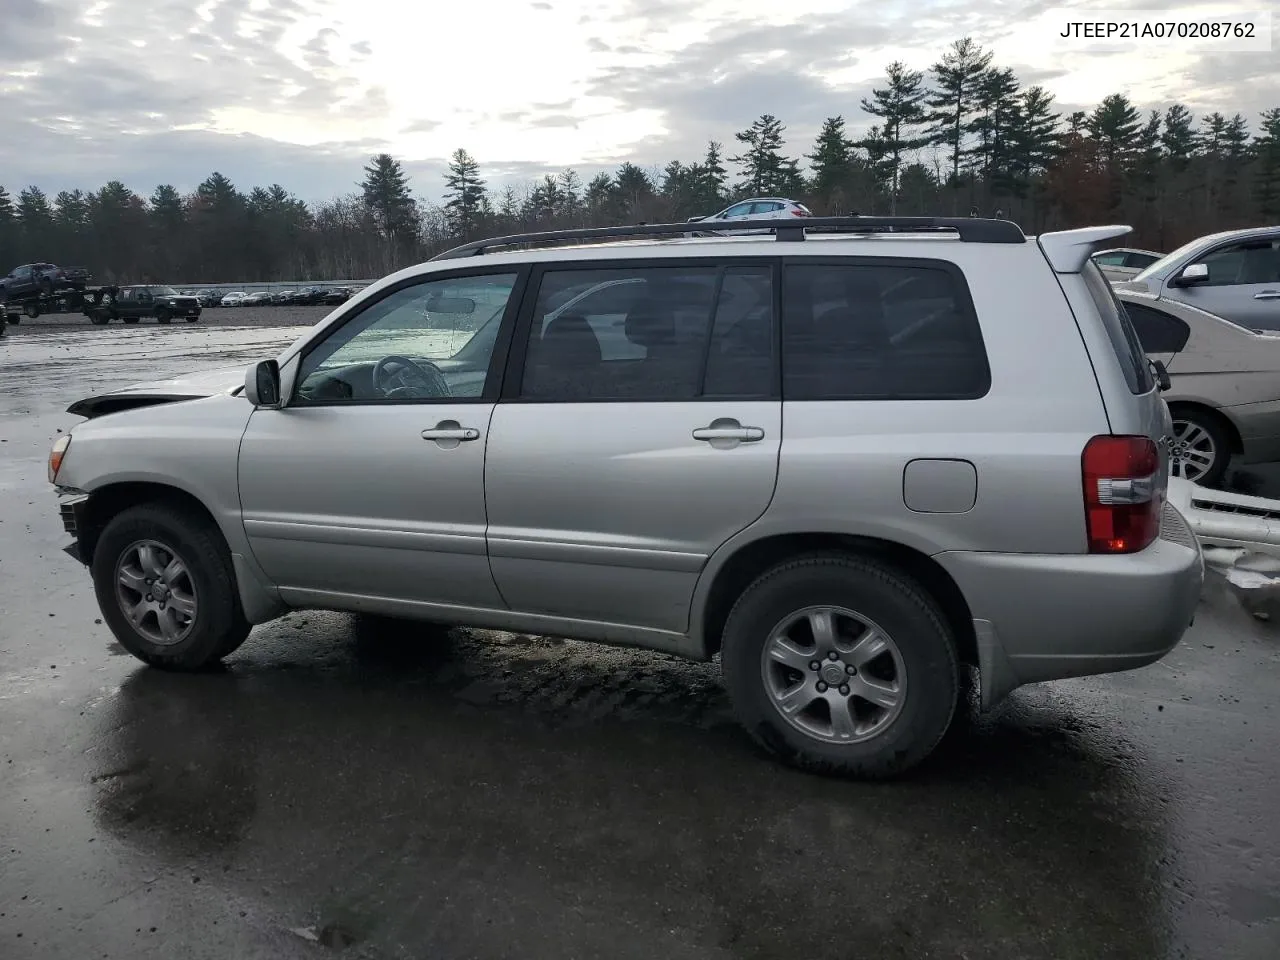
1124,263
756,208
233,298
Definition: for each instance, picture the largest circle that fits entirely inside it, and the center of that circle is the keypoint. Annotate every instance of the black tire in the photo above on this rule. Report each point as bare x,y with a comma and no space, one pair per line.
1217,436
218,626
98,319
900,607
162,316
31,310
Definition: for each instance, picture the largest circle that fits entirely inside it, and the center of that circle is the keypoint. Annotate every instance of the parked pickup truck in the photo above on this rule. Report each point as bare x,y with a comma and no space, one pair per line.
40,279
132,304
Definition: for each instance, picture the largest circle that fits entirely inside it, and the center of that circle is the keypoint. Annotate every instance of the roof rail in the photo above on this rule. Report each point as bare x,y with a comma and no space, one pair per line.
969,230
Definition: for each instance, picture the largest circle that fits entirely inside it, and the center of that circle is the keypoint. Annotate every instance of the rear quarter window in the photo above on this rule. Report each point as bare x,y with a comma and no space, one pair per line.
1124,339
867,329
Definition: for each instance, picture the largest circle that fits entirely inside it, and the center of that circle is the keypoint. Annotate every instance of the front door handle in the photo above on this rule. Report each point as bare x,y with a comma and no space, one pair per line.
450,432
727,428
1267,295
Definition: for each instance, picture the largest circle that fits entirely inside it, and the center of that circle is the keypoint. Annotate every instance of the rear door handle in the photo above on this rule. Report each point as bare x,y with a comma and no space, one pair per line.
1267,295
728,429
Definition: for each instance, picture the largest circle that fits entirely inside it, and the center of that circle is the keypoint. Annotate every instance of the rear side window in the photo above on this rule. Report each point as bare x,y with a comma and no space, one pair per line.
1158,331
880,330
652,333
1124,339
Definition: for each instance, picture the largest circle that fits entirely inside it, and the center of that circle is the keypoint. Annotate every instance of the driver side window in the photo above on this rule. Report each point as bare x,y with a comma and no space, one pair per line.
426,342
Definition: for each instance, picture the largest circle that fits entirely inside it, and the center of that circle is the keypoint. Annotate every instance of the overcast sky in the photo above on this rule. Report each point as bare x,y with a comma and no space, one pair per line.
301,92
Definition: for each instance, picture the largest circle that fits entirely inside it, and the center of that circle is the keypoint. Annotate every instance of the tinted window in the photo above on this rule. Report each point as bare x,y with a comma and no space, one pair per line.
1157,331
1253,261
861,331
1128,349
651,333
1109,259
766,207
411,345
738,210
1140,260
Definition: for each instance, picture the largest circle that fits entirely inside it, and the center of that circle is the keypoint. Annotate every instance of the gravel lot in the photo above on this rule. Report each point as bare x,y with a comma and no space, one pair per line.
215,317
399,792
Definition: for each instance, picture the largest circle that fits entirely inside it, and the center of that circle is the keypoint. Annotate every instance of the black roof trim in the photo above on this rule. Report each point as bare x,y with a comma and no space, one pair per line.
969,230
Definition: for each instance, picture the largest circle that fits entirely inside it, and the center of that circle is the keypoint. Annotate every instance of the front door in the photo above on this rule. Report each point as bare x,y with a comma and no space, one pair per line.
369,483
1243,286
639,430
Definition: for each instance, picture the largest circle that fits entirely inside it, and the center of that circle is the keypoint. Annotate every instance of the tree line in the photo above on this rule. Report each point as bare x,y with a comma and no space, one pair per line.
963,137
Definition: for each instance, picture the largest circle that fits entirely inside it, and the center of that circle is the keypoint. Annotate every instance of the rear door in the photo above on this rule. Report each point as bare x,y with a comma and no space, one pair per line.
638,431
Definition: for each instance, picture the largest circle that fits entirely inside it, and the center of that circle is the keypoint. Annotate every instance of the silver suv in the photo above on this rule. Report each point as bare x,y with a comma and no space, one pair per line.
851,457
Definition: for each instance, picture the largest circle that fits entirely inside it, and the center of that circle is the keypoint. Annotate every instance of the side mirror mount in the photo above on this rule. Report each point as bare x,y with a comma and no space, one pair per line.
1196,273
262,384
1162,375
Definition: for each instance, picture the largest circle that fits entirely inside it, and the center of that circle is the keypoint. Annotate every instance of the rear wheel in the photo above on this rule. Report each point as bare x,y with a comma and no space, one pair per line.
166,587
838,664
31,310
1200,450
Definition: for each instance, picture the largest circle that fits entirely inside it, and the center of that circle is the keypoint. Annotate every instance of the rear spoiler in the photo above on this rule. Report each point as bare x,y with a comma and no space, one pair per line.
1069,250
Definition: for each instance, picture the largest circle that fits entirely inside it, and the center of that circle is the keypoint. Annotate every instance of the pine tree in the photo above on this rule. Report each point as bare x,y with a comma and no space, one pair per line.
1178,138
8,229
899,105
35,218
1266,148
833,163
997,106
954,98
764,168
633,189
1114,126
714,177
570,191
385,191
466,196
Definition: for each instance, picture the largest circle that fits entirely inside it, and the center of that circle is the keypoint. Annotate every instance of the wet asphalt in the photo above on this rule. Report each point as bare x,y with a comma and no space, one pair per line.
361,788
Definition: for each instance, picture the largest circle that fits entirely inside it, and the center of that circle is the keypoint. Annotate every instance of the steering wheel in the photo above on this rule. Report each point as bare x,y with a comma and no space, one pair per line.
399,378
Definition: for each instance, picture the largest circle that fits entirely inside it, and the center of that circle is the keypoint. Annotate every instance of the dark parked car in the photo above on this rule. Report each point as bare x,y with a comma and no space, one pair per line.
208,298
336,295
36,279
164,303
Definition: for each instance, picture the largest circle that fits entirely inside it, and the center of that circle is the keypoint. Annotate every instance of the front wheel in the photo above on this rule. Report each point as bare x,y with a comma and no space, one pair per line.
1200,450
162,316
838,664
166,588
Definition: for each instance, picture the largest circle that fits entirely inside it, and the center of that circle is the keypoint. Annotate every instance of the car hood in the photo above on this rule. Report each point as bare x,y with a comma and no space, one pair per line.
206,383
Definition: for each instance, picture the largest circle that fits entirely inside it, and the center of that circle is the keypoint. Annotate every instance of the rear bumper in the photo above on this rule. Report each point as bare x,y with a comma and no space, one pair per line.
1049,617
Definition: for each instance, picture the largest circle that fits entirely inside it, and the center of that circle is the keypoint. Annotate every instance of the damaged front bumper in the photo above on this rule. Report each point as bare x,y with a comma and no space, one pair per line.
71,508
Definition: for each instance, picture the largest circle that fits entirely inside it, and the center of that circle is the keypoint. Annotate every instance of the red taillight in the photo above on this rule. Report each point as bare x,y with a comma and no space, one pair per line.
800,212
1122,496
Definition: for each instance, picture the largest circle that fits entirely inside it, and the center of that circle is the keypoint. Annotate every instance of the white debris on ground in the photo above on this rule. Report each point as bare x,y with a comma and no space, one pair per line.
1244,568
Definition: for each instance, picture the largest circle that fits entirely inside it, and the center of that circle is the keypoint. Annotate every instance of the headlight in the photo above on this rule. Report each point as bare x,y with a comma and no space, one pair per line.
56,455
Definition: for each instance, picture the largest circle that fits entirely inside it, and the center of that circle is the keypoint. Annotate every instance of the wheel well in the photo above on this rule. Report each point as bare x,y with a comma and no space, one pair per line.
755,558
1229,428
106,502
